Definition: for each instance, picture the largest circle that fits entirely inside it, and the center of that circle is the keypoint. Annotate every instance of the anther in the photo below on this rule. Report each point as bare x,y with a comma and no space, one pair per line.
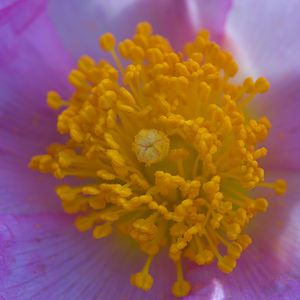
54,101
262,85
143,279
107,42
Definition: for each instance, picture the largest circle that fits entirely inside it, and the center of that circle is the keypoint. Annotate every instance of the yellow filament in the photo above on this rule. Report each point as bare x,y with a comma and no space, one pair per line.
181,287
279,186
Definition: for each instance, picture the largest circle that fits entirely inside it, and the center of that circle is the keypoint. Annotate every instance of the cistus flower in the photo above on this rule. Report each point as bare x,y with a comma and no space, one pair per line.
160,145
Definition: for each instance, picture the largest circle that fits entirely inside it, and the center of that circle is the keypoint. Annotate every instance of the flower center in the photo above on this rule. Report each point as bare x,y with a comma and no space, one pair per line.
151,146
170,153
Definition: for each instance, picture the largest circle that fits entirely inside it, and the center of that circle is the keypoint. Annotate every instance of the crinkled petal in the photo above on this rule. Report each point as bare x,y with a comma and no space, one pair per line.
80,23
44,257
267,34
32,61
211,15
269,268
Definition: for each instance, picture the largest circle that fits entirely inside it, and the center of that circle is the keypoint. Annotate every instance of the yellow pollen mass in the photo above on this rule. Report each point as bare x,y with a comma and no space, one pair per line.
168,153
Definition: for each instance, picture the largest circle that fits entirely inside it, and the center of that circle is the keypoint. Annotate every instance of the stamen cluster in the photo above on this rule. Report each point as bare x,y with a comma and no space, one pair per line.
168,149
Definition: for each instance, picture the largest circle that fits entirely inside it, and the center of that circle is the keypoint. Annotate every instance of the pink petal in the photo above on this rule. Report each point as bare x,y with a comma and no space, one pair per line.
178,22
269,268
32,61
43,257
211,15
267,34
266,37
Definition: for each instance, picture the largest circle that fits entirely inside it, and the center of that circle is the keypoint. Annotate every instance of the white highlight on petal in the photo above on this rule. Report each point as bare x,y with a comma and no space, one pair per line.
218,293
111,8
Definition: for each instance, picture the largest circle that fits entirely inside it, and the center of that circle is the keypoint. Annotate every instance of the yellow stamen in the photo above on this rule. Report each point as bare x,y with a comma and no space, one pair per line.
279,186
54,101
143,280
169,156
107,42
181,287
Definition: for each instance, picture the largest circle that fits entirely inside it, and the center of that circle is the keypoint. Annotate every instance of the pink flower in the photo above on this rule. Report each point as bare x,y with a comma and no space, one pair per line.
42,255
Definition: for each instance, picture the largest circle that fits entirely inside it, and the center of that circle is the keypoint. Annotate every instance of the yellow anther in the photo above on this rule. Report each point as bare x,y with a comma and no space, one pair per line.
248,85
233,230
111,119
215,221
153,205
178,154
76,133
172,59
262,85
90,190
107,100
85,64
66,193
84,223
226,264
105,175
280,187
162,209
101,231
244,240
137,54
265,122
125,48
190,189
145,225
111,142
205,34
97,202
125,108
142,281
141,40
145,198
55,101
154,56
261,204
178,229
107,42
212,187
234,250
260,153
136,179
181,70
144,28
127,97
78,79
151,146
116,158
231,68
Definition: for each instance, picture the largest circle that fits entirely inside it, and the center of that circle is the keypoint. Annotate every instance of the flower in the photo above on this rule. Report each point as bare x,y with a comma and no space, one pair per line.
38,240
